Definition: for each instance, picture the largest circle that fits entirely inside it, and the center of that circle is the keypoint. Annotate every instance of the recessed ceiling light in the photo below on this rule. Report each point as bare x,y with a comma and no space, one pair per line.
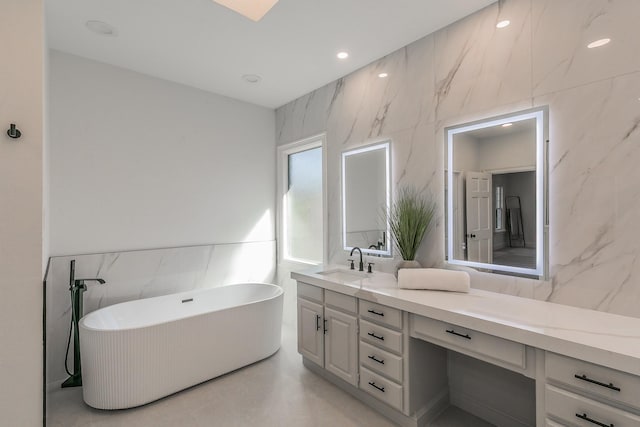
342,55
506,125
251,78
383,75
252,9
598,43
503,24
101,28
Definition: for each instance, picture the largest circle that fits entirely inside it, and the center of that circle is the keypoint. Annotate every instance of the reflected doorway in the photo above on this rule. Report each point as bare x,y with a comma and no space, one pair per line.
514,241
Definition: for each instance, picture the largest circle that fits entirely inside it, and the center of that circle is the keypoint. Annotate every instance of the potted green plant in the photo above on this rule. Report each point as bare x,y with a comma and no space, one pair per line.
409,217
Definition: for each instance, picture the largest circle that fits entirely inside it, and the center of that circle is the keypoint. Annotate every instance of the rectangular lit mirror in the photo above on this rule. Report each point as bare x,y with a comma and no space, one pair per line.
496,196
366,192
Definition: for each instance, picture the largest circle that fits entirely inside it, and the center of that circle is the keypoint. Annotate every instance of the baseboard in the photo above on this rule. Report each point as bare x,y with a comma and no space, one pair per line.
434,409
492,415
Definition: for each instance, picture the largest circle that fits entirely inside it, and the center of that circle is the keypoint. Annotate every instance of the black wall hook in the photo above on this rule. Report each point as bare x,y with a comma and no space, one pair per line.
14,132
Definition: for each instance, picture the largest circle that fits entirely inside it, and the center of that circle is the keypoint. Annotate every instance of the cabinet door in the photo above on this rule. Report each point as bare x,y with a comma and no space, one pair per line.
310,331
341,345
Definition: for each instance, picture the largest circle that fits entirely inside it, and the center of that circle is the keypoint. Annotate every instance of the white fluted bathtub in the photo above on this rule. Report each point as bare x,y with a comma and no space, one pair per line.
140,351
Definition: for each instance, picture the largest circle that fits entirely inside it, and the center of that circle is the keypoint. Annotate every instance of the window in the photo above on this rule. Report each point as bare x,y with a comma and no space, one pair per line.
499,208
302,210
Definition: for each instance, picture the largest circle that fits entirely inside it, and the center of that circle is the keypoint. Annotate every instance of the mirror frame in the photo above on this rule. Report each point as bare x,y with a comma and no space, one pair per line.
383,145
541,115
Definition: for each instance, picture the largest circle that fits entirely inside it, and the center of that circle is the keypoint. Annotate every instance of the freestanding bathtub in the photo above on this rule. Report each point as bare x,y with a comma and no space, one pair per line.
139,351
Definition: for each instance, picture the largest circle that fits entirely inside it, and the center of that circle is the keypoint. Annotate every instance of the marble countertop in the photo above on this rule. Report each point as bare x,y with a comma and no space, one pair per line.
598,337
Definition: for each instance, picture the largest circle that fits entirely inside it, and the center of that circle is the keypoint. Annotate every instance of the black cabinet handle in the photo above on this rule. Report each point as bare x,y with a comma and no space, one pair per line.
380,361
458,334
372,384
371,334
591,420
317,322
376,313
325,326
589,380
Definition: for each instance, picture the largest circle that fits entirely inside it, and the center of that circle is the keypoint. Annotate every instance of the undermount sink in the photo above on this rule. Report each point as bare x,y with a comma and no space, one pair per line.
343,275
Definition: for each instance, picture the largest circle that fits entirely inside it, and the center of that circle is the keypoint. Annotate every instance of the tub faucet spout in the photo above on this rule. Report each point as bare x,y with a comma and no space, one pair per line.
81,283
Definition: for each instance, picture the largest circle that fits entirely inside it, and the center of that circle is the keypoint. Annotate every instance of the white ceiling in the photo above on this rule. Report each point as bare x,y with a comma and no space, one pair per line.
202,44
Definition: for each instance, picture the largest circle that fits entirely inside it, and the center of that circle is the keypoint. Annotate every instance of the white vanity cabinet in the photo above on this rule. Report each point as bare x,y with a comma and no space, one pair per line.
585,394
498,351
341,336
382,353
327,331
409,354
364,348
310,331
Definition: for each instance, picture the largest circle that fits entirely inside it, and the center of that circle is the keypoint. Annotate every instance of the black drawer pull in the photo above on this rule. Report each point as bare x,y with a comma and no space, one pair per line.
325,326
317,322
458,334
376,313
376,336
372,384
380,361
589,380
591,420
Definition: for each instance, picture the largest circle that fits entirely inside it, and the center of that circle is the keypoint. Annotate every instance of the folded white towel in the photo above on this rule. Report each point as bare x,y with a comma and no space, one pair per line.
433,278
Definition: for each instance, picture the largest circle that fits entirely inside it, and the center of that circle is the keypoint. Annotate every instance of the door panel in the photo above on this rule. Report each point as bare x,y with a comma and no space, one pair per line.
310,331
479,219
341,345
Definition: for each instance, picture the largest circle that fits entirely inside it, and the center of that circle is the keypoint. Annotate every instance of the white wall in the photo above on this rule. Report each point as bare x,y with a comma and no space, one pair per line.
466,155
138,162
516,150
21,182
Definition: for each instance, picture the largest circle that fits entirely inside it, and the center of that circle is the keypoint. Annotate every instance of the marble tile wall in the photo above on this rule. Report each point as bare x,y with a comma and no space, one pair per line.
143,274
472,70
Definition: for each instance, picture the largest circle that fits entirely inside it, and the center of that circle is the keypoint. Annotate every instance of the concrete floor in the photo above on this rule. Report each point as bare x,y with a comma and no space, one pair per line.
278,391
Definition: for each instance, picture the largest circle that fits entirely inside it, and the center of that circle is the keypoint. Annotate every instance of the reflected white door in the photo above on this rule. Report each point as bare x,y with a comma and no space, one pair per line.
479,224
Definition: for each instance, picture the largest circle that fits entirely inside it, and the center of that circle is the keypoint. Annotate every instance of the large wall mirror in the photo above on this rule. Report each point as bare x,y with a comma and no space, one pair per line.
496,196
366,192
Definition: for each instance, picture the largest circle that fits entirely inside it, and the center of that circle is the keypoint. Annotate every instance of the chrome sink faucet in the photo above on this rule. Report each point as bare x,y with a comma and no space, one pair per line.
361,265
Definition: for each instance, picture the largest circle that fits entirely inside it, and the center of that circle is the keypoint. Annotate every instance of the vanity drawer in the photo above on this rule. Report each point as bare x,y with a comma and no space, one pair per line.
595,379
341,301
381,361
581,411
380,336
473,342
310,292
380,387
381,314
